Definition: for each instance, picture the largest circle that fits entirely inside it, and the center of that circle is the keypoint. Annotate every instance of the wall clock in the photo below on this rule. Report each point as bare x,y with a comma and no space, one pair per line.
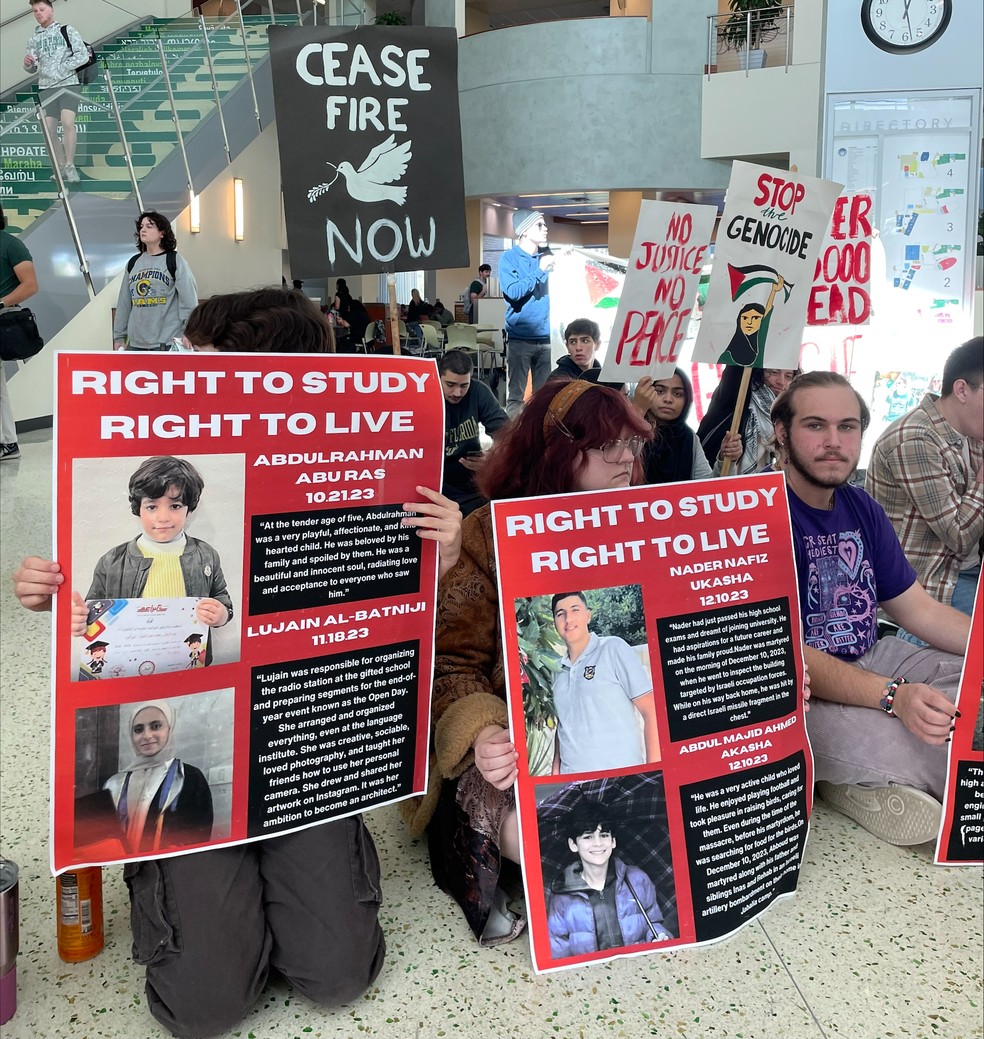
905,26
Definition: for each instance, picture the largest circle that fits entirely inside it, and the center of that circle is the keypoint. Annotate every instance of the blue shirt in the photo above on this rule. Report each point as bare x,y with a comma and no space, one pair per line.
524,286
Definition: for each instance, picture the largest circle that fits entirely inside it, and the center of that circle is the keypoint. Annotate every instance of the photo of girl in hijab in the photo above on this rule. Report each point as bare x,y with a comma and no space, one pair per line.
161,801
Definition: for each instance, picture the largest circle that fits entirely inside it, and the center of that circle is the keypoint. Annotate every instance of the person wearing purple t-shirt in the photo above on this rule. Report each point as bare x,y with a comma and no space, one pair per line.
881,709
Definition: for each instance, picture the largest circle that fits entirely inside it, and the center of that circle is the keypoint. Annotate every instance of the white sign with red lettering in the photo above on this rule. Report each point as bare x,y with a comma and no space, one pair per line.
670,247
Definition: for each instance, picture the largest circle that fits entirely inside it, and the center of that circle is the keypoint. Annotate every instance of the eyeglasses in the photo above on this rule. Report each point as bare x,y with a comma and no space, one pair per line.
612,451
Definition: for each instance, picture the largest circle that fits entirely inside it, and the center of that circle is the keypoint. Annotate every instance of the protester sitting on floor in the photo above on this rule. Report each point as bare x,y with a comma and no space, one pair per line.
468,403
882,709
674,453
572,436
926,471
210,926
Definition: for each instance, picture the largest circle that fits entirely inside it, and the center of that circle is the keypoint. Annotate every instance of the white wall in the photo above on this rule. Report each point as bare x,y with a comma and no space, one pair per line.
770,110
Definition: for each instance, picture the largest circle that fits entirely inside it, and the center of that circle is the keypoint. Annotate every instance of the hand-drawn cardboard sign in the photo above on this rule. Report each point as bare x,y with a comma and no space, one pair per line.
370,148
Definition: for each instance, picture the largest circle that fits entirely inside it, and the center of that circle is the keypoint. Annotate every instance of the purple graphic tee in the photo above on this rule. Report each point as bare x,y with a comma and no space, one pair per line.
848,560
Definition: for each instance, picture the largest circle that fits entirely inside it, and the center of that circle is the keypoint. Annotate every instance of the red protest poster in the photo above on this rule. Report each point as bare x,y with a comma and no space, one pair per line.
841,292
961,841
258,638
654,673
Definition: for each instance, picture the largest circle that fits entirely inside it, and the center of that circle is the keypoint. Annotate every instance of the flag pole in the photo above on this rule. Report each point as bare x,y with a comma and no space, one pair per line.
746,378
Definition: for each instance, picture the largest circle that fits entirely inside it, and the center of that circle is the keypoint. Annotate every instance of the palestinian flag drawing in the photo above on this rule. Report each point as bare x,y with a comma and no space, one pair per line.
742,279
747,345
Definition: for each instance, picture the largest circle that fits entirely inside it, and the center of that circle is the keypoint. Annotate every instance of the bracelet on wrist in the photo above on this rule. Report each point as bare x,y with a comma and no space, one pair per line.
888,700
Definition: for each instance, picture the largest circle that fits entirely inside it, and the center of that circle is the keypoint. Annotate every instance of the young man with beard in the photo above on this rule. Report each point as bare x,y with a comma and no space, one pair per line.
882,709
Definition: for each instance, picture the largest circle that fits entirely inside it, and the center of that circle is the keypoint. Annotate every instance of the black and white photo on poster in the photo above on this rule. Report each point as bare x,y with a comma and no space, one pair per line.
366,189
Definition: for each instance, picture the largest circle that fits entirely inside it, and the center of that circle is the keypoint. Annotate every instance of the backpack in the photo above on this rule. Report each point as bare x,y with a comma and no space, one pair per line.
88,72
171,258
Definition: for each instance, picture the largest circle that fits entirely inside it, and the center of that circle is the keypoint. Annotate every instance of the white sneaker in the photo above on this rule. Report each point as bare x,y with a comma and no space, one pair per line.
71,174
897,814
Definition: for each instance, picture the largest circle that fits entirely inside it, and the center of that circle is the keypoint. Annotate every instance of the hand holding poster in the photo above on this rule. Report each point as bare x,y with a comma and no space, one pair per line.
961,839
841,293
654,310
765,257
366,188
655,705
267,550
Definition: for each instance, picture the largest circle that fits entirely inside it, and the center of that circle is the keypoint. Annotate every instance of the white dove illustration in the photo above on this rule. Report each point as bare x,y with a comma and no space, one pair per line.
386,163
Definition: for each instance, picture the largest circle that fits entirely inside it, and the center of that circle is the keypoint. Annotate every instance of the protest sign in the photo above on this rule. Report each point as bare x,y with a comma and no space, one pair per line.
668,252
370,148
234,523
654,670
765,257
841,293
961,841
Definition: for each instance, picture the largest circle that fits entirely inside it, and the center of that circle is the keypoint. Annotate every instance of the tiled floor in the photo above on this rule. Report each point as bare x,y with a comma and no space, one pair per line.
878,944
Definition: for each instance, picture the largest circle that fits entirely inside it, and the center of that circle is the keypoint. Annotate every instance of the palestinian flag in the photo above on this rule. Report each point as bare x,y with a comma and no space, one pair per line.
745,278
603,289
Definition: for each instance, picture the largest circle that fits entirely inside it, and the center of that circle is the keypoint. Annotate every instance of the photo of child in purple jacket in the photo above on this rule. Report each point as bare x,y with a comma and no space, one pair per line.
599,902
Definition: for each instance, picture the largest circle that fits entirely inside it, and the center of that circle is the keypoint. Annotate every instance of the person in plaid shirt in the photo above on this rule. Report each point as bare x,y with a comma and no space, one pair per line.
926,473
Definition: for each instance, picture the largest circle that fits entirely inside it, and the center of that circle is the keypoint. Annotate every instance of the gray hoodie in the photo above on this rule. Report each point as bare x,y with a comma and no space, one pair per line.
56,61
152,309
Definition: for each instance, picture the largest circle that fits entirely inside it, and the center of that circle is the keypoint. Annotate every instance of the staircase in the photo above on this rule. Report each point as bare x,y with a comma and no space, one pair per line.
133,64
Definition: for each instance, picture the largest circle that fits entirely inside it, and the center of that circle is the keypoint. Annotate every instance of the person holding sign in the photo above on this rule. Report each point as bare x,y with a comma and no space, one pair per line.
599,902
601,694
882,709
754,435
572,436
524,275
210,926
674,453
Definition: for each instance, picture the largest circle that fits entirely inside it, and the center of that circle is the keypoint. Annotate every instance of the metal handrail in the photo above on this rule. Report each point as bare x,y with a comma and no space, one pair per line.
69,215
174,111
121,130
249,64
764,25
215,88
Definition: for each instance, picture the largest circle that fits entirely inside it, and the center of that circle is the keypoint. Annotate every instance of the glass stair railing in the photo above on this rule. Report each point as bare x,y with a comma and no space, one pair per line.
133,65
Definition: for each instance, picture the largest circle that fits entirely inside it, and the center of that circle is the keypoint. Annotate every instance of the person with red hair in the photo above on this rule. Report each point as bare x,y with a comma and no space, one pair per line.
572,436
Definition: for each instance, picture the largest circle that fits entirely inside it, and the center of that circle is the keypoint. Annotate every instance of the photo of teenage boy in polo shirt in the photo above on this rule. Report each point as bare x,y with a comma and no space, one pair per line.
603,696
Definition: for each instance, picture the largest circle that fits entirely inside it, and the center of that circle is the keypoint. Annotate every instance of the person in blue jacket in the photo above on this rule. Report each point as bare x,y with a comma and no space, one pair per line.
599,902
524,273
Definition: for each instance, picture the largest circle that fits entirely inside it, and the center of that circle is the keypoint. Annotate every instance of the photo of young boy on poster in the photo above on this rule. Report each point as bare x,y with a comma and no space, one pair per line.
144,773
600,696
606,864
180,548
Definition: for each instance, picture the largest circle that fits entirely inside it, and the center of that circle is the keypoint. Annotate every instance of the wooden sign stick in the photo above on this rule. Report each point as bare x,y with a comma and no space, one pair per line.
394,318
746,378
